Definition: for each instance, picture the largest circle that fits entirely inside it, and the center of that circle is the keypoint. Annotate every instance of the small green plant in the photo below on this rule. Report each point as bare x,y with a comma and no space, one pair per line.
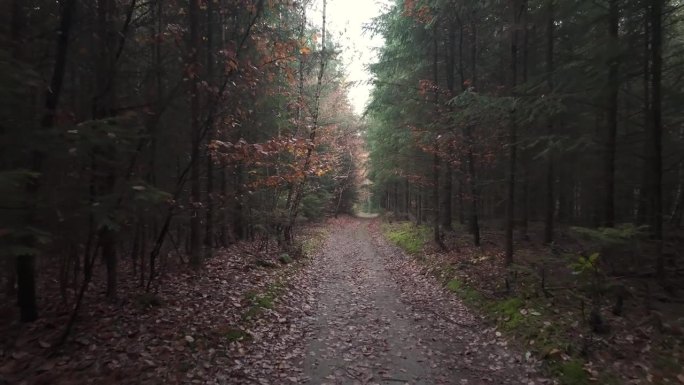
234,335
285,259
454,285
589,272
586,265
262,300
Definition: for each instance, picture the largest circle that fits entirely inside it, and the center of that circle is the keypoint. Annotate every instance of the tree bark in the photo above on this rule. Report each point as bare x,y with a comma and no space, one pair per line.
437,236
195,135
518,8
298,190
656,8
475,198
550,201
25,264
678,205
643,205
209,229
612,112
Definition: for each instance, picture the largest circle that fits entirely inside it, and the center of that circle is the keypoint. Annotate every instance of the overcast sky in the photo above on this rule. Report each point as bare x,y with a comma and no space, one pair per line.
346,19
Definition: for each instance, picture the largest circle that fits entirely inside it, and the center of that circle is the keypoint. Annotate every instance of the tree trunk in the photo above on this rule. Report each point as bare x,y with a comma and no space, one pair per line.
25,264
223,218
657,131
525,163
298,188
108,241
195,135
435,159
446,196
407,196
475,198
447,181
612,118
435,200
238,212
518,8
395,197
474,223
678,206
209,229
550,201
419,207
459,196
103,107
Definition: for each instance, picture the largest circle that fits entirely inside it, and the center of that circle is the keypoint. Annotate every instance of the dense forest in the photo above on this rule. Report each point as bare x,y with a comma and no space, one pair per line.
530,111
538,145
134,128
170,172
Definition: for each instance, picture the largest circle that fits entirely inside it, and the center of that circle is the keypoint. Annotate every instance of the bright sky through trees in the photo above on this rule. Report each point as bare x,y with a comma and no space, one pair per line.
346,20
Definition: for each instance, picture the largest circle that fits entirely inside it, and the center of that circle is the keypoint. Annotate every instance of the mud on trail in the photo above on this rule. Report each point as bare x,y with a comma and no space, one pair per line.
367,315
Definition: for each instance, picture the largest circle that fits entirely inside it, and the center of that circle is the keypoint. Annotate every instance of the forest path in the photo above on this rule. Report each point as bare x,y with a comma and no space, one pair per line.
376,319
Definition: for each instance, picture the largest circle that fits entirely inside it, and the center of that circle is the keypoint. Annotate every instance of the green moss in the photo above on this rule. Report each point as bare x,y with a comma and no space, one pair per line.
509,312
409,237
466,293
454,285
265,301
572,373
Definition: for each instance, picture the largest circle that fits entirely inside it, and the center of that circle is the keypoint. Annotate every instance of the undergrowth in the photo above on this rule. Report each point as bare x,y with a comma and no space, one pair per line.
522,317
260,301
408,236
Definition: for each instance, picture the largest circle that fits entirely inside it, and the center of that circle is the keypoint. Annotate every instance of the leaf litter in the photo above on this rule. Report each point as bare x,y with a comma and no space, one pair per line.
358,312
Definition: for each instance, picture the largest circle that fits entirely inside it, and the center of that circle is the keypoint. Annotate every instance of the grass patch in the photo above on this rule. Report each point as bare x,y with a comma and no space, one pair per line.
508,312
409,237
525,321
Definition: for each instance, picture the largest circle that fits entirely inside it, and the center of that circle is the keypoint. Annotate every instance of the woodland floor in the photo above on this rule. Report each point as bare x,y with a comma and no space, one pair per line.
378,320
359,311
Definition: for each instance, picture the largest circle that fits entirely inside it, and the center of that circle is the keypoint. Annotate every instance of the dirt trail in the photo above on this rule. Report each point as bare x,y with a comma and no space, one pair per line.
376,319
